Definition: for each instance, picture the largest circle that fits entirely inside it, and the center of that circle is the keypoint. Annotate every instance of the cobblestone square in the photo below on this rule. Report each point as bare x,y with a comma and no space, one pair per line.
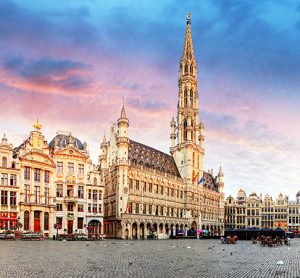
149,258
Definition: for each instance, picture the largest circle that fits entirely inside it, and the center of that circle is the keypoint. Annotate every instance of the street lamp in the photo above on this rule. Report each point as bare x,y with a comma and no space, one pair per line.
18,222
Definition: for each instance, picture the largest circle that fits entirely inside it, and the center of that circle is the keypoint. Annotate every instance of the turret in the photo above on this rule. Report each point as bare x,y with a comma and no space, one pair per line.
201,134
103,156
173,134
220,180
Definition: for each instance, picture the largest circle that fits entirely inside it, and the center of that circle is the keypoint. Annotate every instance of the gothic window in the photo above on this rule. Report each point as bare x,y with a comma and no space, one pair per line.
186,69
185,130
46,221
185,97
191,98
191,69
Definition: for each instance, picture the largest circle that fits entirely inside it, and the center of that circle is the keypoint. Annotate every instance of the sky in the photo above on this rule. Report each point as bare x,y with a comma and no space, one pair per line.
70,63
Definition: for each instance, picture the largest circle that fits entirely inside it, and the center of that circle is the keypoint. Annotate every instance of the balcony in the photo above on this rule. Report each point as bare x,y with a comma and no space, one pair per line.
70,199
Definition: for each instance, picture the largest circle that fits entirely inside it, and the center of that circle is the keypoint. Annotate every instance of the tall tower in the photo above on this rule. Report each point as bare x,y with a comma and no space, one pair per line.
188,151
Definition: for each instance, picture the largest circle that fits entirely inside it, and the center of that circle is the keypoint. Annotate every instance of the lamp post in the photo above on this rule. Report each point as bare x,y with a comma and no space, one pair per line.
18,222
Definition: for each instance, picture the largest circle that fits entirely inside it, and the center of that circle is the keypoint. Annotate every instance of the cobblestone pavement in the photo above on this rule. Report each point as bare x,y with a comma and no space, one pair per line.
152,258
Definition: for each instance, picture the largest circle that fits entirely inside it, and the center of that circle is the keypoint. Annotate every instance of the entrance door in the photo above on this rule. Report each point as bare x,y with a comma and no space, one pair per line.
37,221
70,226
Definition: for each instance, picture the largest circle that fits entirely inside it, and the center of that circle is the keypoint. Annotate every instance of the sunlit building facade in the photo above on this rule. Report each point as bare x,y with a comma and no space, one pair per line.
148,191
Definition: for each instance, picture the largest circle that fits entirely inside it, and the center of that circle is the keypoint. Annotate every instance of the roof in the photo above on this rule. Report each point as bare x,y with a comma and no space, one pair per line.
140,154
209,181
64,139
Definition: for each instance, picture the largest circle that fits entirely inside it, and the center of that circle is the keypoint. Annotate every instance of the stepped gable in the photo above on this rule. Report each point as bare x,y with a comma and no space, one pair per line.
140,154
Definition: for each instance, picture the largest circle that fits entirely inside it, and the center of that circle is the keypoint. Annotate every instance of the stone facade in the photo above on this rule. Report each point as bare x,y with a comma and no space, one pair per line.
254,211
148,191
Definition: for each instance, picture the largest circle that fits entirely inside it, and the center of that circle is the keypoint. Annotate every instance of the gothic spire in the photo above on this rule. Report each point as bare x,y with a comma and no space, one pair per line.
188,51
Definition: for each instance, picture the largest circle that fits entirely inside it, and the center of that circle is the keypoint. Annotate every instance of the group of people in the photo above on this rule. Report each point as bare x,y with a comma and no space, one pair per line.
269,241
229,239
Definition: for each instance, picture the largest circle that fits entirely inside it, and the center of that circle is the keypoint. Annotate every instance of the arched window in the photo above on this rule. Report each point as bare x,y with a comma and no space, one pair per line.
185,97
4,162
191,98
185,130
26,220
191,69
63,142
46,221
186,69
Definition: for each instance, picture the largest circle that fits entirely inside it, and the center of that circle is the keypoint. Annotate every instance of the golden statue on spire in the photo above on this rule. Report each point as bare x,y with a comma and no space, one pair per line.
37,125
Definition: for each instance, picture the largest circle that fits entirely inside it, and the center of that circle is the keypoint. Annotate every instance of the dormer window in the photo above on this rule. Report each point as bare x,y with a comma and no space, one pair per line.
4,162
63,142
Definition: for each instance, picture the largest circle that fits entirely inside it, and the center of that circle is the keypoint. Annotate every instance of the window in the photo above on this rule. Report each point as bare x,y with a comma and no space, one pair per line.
137,208
100,208
80,223
13,198
26,220
145,187
59,207
150,187
130,208
4,198
80,169
46,196
100,195
150,209
144,209
172,192
70,168
70,206
168,191
59,167
161,210
4,179
59,190
80,208
130,184
95,195
13,180
94,208
137,185
80,192
70,191
59,221
4,162
27,173
26,192
89,208
161,190
90,194
46,221
37,195
47,176
37,174
95,181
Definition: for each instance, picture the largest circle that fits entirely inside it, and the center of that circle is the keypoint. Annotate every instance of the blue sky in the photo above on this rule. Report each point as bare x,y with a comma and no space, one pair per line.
71,62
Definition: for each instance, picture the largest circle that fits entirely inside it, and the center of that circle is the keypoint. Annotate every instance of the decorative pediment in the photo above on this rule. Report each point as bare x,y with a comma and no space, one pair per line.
71,151
38,157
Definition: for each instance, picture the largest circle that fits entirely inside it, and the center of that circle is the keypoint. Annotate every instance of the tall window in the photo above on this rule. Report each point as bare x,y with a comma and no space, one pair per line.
59,167
150,209
13,198
26,173
80,169
100,208
13,179
4,162
4,179
95,195
46,221
137,208
37,194
100,195
26,193
59,221
137,185
47,176
4,198
80,223
70,206
80,192
70,191
46,196
89,208
59,207
59,190
70,167
80,208
94,208
37,174
150,187
90,194
26,220
130,184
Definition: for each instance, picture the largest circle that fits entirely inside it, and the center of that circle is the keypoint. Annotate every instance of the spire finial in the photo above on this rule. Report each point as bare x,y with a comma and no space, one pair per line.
37,125
123,113
188,18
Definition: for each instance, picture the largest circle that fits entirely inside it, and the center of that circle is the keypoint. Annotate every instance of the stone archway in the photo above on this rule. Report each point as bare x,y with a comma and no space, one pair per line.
142,231
154,228
148,229
194,226
134,230
126,233
161,228
167,228
94,229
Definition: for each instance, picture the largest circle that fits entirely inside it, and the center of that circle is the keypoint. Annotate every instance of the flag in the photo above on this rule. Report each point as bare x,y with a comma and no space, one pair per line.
201,180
